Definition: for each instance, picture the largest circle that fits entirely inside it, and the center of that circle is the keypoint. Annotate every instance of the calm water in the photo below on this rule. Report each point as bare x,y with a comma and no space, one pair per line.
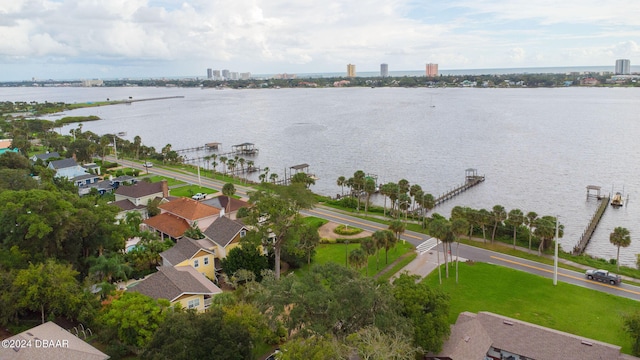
539,148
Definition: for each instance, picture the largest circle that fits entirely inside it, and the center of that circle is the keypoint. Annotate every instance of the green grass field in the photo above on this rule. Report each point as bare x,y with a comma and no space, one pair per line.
531,298
170,181
190,190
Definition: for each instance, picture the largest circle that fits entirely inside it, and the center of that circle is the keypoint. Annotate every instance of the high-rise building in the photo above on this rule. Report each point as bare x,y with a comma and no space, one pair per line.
432,70
226,74
351,70
384,70
245,76
217,75
623,67
209,73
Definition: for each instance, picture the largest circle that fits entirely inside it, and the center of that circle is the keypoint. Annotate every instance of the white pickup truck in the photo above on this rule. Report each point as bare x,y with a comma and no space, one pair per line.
604,276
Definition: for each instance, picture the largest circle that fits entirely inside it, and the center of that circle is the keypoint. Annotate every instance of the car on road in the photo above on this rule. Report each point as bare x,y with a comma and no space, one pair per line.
147,164
273,355
604,276
199,196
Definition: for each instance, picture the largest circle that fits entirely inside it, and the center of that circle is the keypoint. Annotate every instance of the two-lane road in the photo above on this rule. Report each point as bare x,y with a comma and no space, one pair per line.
465,251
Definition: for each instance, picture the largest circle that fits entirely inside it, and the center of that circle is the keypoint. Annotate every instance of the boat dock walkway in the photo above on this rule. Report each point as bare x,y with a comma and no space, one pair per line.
471,179
588,232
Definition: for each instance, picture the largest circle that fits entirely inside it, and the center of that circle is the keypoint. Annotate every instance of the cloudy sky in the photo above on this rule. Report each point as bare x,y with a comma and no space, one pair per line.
73,39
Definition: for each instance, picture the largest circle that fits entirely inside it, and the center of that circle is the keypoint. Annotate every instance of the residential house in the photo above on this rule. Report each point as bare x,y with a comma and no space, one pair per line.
180,214
490,336
48,342
226,234
45,157
136,197
182,284
227,205
69,168
200,254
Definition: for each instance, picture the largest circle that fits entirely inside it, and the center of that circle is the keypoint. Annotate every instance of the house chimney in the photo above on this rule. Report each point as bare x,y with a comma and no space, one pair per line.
165,189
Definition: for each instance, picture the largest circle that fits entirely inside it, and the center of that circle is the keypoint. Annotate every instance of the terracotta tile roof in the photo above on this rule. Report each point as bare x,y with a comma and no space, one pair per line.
518,337
70,347
171,283
185,249
5,143
140,189
223,230
220,202
189,209
168,224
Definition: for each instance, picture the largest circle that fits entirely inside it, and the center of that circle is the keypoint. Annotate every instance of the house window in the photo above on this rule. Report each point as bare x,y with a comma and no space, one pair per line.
243,233
195,263
193,303
206,260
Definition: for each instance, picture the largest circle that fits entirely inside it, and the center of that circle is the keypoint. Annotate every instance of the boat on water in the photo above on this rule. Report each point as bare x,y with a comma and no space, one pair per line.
616,200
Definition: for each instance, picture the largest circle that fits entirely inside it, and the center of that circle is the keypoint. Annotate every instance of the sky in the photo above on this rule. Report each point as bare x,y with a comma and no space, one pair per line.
107,39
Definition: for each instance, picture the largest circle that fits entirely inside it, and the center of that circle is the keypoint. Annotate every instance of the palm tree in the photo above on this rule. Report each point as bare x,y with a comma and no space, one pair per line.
223,162
499,214
273,177
228,190
368,245
109,268
137,141
459,227
620,237
358,184
357,258
530,220
441,229
241,161
416,192
214,157
379,240
341,181
427,202
265,175
397,227
515,219
369,189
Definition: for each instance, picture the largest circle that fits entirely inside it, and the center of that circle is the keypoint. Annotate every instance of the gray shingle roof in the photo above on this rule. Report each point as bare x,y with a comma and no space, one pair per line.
140,189
170,283
69,348
223,230
473,332
63,164
184,249
46,156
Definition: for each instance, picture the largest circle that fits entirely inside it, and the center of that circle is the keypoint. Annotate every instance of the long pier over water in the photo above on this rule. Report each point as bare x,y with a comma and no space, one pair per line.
588,232
471,179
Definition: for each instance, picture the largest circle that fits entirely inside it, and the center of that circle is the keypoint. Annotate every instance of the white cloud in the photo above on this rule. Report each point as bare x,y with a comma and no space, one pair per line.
317,36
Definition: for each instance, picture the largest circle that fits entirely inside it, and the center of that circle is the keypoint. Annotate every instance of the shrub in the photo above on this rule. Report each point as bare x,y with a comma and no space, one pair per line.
346,230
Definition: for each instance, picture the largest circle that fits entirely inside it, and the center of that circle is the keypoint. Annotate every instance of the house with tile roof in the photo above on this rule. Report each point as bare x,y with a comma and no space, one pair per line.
180,214
225,233
5,146
49,342
490,336
227,205
183,284
200,254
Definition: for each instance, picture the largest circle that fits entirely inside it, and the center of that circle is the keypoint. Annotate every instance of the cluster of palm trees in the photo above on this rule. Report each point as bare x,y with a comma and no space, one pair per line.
381,239
230,164
273,177
544,228
404,197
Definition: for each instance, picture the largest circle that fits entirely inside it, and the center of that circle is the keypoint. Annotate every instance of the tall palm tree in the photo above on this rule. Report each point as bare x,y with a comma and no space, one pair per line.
379,240
358,184
214,157
341,182
357,258
228,190
459,227
369,189
531,221
242,161
137,141
207,159
273,177
397,227
620,237
223,162
415,191
499,214
368,245
441,229
515,219
484,219
266,173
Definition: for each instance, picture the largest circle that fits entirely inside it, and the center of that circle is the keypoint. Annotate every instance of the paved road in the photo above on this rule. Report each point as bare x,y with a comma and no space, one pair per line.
424,263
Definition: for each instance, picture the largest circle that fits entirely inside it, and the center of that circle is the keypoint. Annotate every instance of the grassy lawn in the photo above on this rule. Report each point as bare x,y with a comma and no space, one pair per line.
190,190
316,222
531,298
170,181
336,253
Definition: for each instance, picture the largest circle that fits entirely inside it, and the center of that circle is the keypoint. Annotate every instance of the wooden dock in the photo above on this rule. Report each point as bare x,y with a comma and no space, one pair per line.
588,232
471,179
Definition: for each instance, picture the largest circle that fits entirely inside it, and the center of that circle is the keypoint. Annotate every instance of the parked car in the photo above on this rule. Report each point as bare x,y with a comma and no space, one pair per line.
199,196
147,164
273,355
604,276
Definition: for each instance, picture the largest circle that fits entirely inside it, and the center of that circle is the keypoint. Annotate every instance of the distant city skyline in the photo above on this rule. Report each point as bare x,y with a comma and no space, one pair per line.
79,39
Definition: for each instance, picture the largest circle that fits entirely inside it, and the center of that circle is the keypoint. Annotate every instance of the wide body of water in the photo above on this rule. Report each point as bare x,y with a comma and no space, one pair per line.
538,148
